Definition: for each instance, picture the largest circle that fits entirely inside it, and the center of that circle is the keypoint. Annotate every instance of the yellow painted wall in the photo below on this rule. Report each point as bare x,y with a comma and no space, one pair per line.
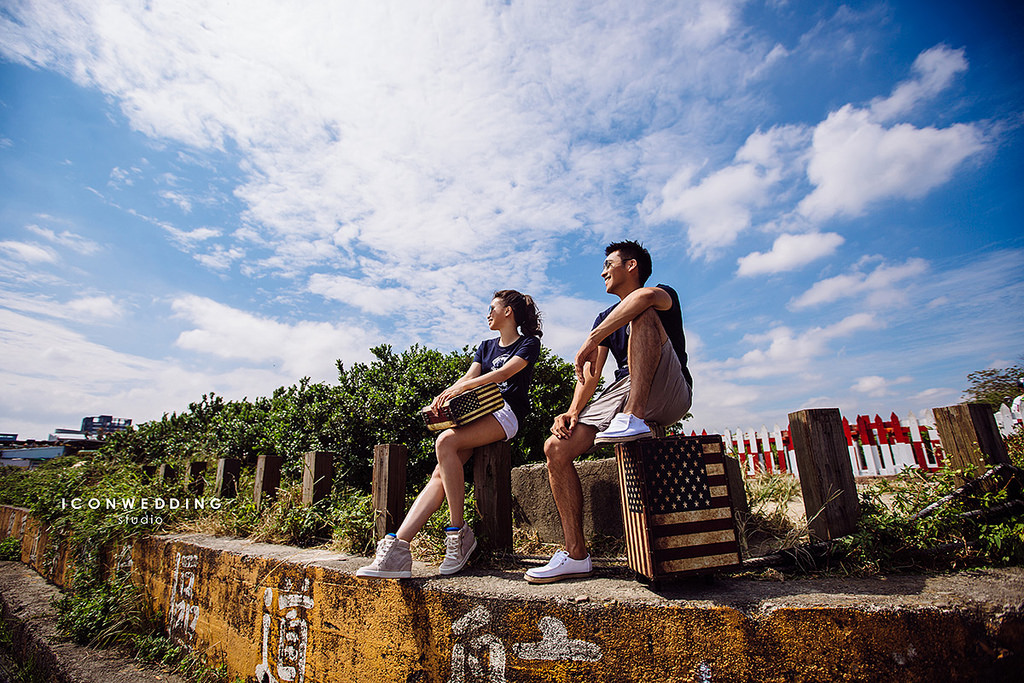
270,618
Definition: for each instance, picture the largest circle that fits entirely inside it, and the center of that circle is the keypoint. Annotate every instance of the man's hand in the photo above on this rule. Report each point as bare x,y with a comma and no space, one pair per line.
563,425
586,354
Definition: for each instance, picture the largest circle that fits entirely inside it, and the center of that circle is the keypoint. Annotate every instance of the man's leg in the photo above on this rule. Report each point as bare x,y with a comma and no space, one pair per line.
646,337
565,484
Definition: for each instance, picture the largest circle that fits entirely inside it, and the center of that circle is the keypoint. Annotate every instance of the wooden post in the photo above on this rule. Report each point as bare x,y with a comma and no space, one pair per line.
737,491
228,471
389,463
317,476
492,483
196,478
970,438
268,478
826,474
166,473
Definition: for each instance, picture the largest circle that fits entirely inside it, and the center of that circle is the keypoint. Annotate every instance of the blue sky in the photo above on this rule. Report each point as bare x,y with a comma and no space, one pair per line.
227,197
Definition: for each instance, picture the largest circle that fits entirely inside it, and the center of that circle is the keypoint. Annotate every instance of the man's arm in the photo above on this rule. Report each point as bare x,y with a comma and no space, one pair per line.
566,422
634,303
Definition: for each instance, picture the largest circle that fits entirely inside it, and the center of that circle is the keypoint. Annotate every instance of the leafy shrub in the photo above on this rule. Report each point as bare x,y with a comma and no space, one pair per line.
10,550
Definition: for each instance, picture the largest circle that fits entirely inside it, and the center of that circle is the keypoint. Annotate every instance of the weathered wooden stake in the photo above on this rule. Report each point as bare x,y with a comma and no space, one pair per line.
196,478
228,471
389,463
317,476
737,491
166,473
492,482
268,478
970,438
826,474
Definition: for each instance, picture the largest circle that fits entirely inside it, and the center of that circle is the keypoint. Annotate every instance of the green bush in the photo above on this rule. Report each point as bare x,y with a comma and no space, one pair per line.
10,550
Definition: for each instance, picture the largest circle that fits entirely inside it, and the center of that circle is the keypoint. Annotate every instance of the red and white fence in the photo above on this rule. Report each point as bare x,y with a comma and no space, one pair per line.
877,447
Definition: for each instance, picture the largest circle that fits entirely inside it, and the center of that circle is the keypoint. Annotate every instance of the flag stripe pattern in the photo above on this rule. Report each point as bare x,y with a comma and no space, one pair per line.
464,408
675,505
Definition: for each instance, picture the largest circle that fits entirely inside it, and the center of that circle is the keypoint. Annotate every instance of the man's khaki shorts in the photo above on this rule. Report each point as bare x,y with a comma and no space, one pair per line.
667,402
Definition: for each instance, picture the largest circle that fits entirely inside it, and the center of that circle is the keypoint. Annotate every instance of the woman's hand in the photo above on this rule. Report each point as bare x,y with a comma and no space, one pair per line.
446,395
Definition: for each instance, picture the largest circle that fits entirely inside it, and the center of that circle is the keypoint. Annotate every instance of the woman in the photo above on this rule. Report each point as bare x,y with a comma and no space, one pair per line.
507,361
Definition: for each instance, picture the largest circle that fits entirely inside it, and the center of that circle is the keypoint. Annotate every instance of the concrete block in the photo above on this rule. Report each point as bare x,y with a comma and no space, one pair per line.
534,507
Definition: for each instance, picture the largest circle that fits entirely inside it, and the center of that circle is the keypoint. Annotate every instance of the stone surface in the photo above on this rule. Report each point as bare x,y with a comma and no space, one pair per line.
534,506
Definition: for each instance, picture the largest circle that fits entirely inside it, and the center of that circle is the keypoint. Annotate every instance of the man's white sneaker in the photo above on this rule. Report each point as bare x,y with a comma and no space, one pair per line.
624,427
459,545
559,567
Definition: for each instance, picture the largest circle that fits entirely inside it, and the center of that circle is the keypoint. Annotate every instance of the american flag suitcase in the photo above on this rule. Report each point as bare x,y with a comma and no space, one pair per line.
464,408
676,509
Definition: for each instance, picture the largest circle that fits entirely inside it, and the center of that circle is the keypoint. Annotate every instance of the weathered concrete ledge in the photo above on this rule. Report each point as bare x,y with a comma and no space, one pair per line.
276,613
30,622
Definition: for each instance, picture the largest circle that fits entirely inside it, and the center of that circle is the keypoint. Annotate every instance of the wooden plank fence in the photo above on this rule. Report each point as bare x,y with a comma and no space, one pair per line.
877,446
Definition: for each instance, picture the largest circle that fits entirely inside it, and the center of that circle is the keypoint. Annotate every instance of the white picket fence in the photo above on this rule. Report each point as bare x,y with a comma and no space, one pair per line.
877,447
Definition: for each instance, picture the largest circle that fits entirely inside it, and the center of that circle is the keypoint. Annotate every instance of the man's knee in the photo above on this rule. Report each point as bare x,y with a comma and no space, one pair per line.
557,452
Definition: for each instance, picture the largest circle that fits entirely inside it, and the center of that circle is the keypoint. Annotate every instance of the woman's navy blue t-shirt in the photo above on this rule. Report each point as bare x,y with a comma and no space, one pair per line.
491,355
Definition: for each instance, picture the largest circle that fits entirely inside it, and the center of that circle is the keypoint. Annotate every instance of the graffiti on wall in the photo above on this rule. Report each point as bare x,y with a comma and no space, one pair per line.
291,632
183,610
480,656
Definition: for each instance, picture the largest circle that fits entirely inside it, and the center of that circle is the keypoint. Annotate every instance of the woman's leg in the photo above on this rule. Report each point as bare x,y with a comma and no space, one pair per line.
427,503
454,447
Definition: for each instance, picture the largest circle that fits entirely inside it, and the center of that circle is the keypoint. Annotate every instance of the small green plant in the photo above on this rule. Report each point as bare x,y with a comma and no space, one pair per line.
897,531
10,550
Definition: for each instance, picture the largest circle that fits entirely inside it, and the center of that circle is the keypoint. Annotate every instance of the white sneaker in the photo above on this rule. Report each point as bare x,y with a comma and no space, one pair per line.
393,560
624,427
559,567
459,545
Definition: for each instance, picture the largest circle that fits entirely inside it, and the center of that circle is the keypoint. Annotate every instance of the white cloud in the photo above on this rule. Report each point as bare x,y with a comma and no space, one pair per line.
48,370
92,308
784,351
29,253
220,258
87,309
356,293
934,69
877,386
789,252
855,161
508,103
852,159
301,348
66,238
182,201
881,283
718,207
188,239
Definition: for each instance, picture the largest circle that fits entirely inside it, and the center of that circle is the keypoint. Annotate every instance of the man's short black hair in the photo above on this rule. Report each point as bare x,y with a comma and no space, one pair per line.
633,250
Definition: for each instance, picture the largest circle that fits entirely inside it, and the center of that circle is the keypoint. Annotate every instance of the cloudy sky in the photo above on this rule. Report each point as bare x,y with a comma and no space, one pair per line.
229,196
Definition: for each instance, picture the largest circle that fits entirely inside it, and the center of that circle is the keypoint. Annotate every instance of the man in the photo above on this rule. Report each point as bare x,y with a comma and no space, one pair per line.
644,333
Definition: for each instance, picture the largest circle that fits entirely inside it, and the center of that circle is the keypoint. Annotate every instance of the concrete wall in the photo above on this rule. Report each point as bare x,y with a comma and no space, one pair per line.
276,613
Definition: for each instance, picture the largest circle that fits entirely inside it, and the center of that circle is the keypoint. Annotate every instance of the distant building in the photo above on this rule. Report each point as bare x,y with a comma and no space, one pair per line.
94,427
14,453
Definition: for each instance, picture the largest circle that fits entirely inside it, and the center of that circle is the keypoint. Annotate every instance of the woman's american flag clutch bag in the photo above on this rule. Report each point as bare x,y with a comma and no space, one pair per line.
464,408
